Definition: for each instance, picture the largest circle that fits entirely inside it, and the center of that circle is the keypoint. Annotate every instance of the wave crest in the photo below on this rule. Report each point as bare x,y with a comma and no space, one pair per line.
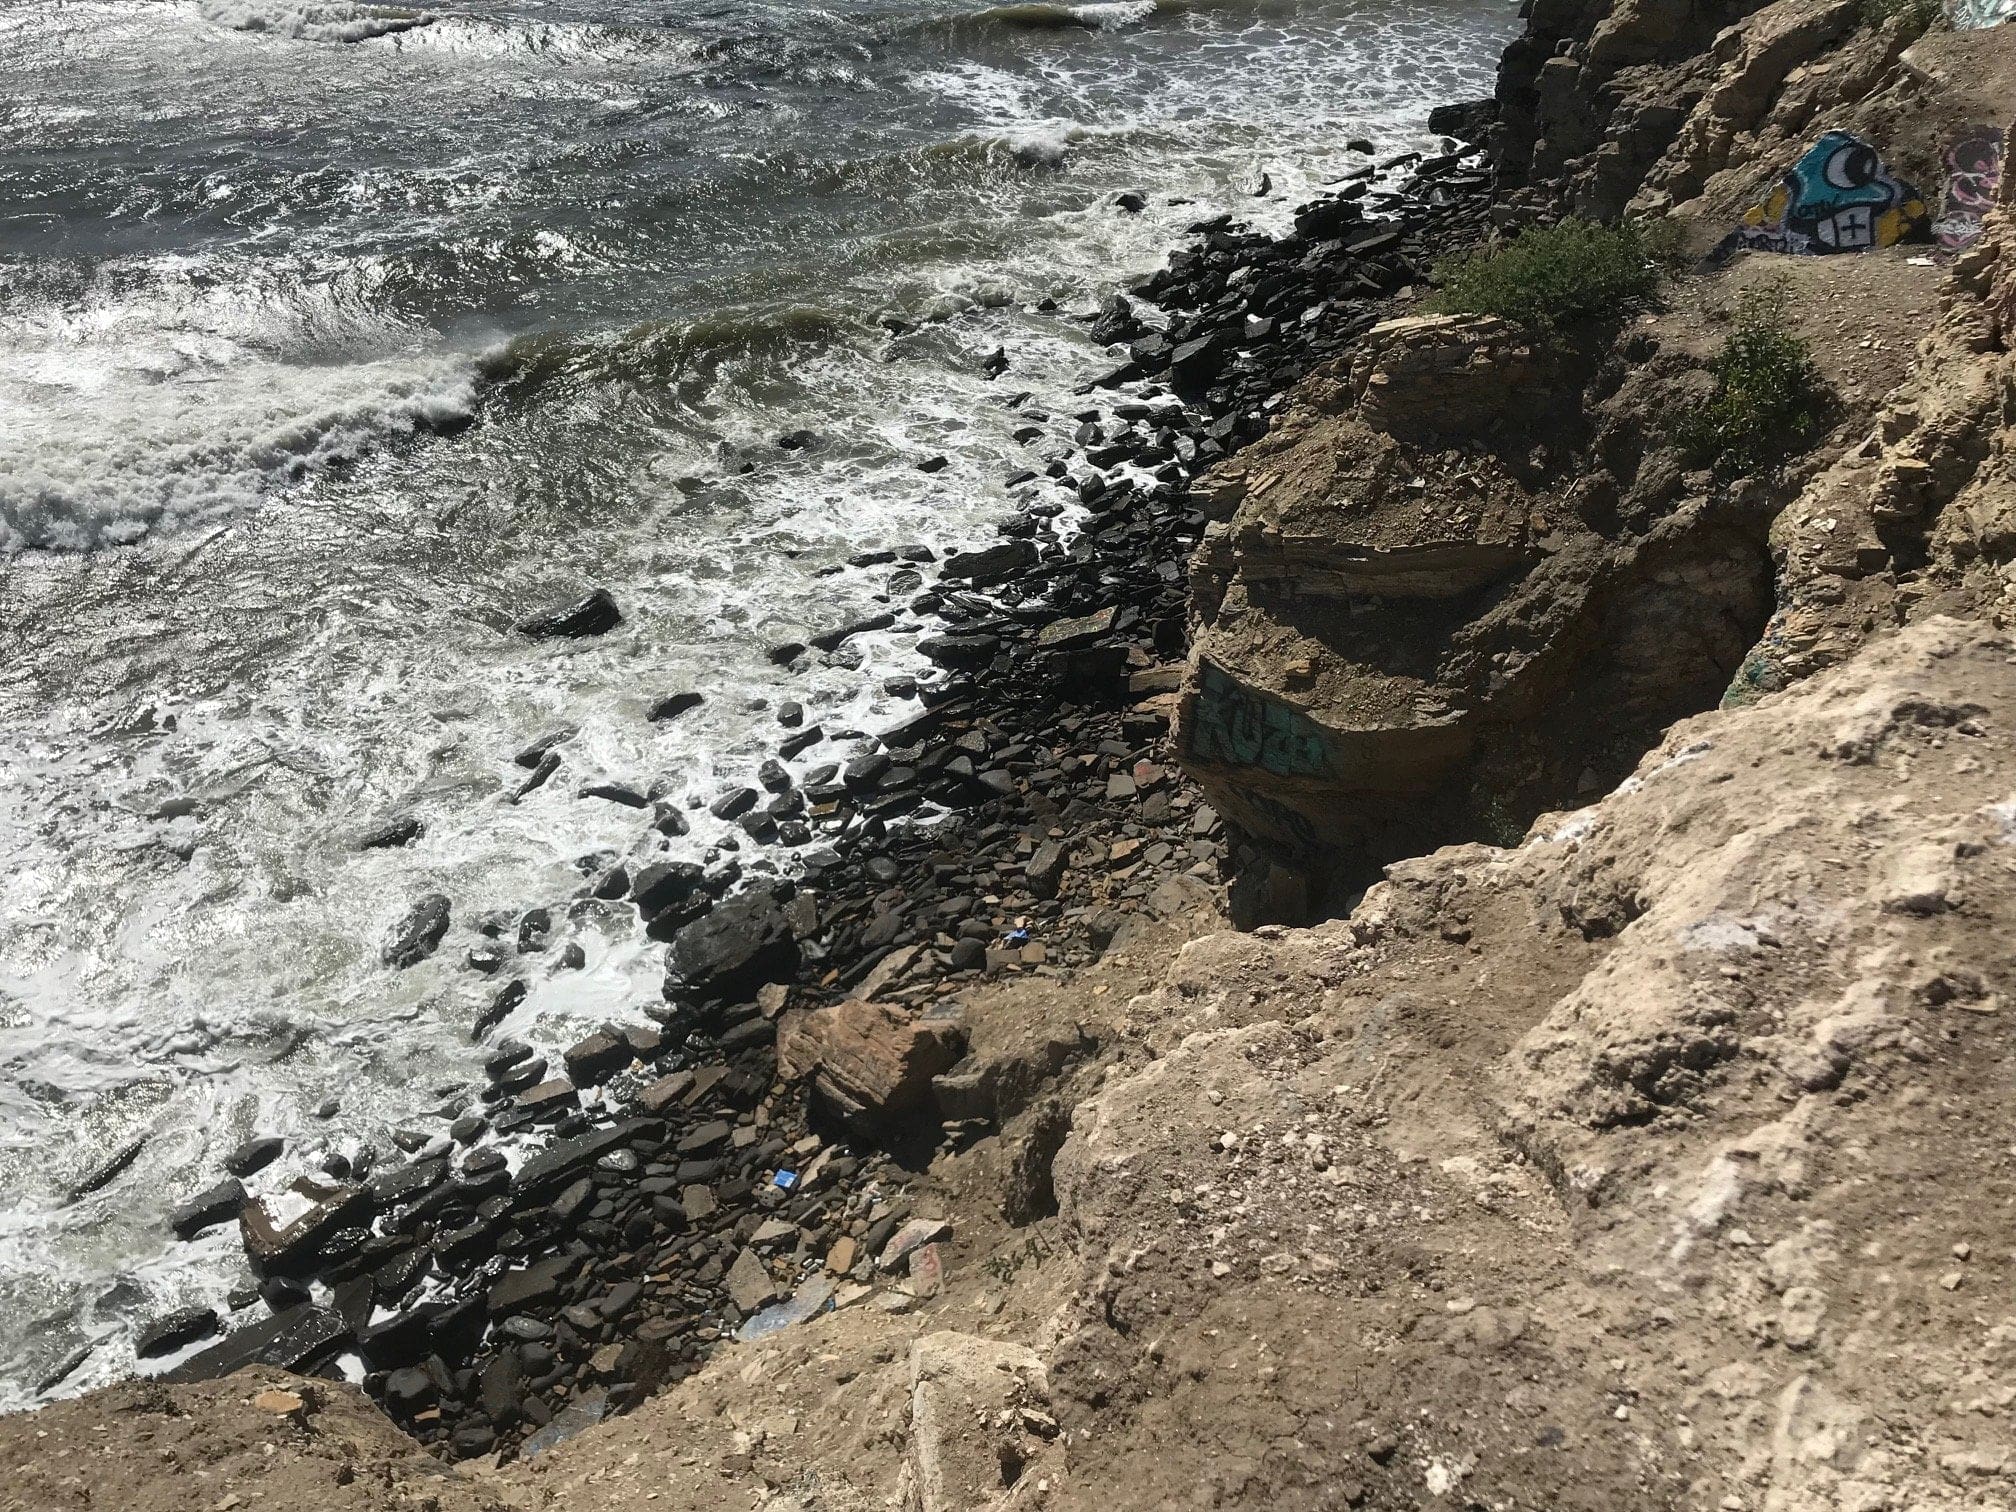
320,21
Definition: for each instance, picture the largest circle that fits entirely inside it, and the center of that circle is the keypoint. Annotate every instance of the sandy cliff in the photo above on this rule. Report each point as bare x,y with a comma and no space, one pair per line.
1658,1157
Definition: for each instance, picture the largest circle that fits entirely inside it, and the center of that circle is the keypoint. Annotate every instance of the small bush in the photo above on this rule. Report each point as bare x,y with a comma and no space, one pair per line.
1920,16
1551,275
1769,403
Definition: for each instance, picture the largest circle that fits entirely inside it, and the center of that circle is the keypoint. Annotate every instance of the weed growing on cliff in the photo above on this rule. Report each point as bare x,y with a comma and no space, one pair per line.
1769,404
1551,275
1919,15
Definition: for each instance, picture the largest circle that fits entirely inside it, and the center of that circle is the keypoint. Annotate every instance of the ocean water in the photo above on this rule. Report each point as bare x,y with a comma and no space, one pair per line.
334,337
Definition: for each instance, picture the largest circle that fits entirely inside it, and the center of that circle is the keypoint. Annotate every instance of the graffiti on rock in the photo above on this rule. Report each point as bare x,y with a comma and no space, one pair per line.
1972,15
1839,197
1232,725
1973,177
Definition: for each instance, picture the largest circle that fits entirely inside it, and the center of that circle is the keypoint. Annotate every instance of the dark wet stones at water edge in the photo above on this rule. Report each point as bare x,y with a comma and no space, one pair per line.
674,704
219,1204
254,1154
419,933
597,614
176,1331
388,834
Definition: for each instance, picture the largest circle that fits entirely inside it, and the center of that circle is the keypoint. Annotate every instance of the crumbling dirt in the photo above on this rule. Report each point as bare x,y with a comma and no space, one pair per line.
1659,1160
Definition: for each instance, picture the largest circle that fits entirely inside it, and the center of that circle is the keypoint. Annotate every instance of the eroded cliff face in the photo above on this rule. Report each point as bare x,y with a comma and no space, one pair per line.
1475,575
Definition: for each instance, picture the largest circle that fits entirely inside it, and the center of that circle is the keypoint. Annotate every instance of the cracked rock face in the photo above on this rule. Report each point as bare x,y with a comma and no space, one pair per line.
1433,610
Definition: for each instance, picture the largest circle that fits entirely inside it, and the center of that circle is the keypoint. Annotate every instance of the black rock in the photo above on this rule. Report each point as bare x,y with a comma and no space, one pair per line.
402,829
996,564
297,1340
798,744
665,885
178,1329
541,748
417,935
615,792
533,927
1133,201
595,1059
743,944
733,805
935,464
596,614
509,996
790,714
1195,365
220,1204
673,705
255,1154
960,650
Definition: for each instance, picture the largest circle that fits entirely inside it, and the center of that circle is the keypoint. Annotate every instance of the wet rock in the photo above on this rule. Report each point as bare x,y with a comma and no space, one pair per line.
744,943
293,1246
219,1204
508,997
733,805
596,614
254,1154
298,1339
534,925
102,1174
592,1061
995,564
176,1331
673,705
615,792
417,935
388,834
537,752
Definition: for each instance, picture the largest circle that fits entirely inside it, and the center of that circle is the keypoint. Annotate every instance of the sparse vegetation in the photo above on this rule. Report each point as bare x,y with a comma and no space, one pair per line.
1920,16
1770,402
1549,276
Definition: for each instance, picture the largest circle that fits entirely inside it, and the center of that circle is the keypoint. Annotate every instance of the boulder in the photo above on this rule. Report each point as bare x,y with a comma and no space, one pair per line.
871,1064
596,614
177,1330
741,945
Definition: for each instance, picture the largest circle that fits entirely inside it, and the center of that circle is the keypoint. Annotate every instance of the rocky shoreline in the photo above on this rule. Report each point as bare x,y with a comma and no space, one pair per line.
582,1234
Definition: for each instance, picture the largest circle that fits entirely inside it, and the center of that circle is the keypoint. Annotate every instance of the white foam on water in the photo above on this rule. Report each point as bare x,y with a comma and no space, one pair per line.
327,21
1113,15
169,399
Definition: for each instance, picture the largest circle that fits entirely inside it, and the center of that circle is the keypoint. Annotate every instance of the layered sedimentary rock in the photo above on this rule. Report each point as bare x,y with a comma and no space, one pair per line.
1412,603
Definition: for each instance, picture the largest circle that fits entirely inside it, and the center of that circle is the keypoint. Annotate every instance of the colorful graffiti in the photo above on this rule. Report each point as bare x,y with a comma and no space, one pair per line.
1973,15
1232,725
1839,197
1973,178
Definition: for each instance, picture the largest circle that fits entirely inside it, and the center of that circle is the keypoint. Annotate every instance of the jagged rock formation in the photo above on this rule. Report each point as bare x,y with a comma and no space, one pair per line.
1414,622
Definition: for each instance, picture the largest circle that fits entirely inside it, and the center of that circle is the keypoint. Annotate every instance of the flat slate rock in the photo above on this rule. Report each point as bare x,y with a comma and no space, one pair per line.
295,1340
550,1167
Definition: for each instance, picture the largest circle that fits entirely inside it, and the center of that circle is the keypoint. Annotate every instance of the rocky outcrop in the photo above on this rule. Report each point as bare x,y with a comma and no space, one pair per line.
1433,560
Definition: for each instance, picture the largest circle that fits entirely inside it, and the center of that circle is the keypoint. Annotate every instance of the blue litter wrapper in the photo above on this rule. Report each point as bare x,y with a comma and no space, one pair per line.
785,1180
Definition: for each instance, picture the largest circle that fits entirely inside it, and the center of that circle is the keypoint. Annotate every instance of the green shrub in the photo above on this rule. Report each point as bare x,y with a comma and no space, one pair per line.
1919,15
1769,403
1551,275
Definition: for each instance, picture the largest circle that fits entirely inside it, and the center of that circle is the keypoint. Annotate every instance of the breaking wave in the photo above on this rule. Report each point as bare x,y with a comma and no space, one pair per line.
327,21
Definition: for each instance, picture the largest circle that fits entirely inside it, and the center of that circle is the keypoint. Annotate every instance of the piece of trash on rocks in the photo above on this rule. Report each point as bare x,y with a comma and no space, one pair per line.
913,1235
784,1180
1017,937
811,1299
584,1412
